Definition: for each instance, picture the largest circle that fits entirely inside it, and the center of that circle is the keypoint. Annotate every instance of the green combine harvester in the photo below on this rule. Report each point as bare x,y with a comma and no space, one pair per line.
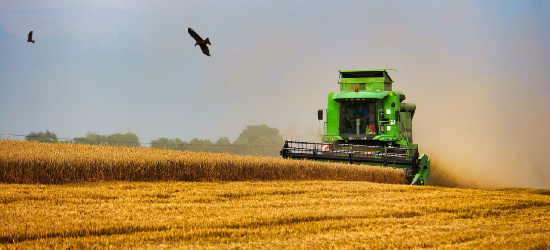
366,123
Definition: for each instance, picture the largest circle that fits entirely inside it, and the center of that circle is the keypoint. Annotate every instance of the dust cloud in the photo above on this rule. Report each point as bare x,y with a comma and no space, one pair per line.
487,129
483,100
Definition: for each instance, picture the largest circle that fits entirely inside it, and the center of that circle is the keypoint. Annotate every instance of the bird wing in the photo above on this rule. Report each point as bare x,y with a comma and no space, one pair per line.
30,36
194,35
204,49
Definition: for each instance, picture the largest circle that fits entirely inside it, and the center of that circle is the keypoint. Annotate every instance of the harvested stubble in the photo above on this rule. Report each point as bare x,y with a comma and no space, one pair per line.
270,215
58,163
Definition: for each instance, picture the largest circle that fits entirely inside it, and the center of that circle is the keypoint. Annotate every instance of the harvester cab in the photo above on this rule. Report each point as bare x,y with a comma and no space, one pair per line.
366,123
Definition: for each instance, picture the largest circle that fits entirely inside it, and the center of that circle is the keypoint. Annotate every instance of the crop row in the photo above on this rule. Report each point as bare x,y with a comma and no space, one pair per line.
49,163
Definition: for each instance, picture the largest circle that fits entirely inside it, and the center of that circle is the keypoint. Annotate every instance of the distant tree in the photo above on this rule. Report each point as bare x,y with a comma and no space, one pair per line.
240,147
128,139
252,132
165,143
42,137
259,140
223,145
90,138
162,143
266,146
223,141
200,145
178,144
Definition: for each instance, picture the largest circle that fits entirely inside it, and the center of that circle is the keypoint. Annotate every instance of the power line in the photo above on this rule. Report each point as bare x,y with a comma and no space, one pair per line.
147,143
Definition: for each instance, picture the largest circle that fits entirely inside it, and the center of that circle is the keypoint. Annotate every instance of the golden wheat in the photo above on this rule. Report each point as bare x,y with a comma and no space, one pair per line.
274,214
58,163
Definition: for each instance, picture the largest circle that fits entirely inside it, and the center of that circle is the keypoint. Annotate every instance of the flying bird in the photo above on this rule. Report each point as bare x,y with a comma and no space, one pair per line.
200,42
29,39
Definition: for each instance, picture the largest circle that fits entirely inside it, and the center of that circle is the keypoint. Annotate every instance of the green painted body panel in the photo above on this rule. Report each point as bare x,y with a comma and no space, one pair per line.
360,94
422,177
332,123
369,80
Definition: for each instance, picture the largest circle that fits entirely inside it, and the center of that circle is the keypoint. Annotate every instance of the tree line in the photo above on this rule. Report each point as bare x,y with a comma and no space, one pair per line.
253,140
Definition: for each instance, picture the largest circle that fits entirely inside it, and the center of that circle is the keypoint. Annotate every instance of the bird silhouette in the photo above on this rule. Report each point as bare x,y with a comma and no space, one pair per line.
29,39
200,42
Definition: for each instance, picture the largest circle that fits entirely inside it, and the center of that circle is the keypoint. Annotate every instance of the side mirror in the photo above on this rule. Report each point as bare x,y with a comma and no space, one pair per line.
320,114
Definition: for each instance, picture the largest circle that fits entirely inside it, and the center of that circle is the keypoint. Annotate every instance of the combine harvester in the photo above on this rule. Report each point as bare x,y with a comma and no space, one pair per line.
366,123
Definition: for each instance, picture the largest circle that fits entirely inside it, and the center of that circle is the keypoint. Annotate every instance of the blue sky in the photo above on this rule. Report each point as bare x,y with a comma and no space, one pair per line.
479,71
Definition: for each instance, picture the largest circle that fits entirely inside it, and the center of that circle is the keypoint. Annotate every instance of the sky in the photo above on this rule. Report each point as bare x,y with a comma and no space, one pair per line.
478,72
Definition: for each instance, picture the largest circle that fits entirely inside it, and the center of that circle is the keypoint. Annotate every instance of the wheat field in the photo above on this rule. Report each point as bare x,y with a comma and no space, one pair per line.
81,196
270,214
60,163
